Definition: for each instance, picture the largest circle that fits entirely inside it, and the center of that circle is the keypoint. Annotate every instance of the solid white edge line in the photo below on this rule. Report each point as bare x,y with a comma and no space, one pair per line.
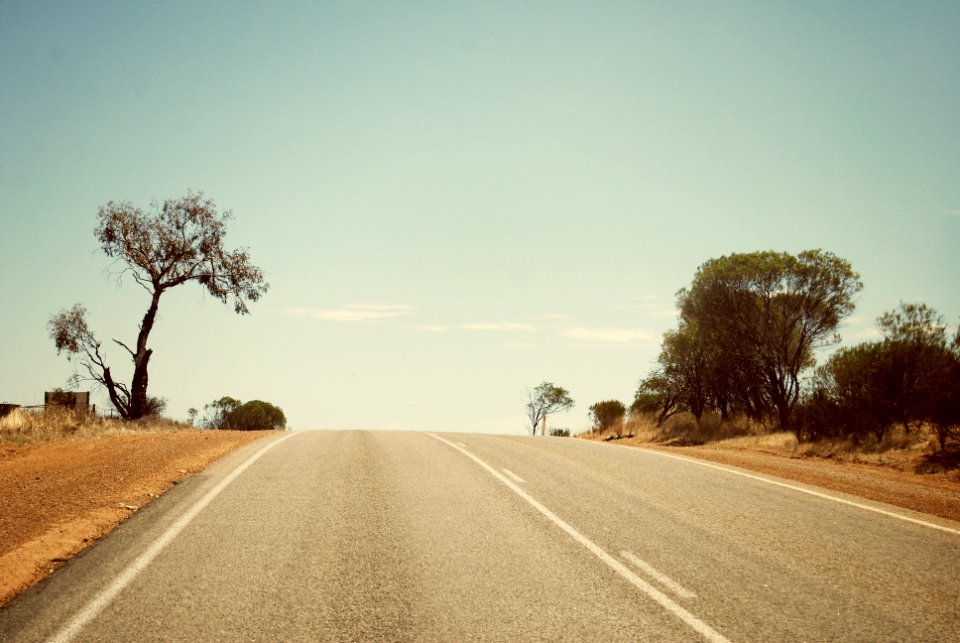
514,476
665,601
664,580
103,599
811,492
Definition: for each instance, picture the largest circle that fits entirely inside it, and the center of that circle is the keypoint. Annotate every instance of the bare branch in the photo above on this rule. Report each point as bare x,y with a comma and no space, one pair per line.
117,341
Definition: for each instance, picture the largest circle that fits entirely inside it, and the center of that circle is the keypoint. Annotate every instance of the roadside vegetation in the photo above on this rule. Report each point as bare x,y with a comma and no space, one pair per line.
545,399
740,370
24,427
174,243
21,427
231,414
179,242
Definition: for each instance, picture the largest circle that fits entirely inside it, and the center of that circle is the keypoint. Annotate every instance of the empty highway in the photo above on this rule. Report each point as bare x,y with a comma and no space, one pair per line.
391,536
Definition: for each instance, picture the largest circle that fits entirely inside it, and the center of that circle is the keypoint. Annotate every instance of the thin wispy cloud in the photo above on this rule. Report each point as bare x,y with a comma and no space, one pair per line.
610,336
432,328
507,326
364,312
475,326
653,305
521,345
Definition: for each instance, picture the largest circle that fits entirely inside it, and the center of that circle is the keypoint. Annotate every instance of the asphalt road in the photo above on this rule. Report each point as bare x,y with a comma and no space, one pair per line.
382,536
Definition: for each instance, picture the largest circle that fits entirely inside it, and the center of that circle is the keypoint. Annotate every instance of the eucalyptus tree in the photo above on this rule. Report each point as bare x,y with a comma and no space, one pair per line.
178,242
765,313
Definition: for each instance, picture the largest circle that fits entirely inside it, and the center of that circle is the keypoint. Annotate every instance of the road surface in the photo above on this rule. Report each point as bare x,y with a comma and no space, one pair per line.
389,536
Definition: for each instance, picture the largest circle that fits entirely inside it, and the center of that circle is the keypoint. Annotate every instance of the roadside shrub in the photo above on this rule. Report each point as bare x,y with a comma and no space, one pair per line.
560,432
818,417
607,414
255,415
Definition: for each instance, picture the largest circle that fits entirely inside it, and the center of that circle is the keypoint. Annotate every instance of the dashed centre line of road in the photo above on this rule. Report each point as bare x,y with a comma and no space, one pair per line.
513,476
662,578
707,632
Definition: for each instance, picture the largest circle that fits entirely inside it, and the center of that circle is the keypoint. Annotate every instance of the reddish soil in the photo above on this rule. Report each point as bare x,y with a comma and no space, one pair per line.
58,497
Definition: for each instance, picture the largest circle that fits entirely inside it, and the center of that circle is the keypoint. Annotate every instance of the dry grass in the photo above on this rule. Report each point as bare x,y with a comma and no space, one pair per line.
914,451
680,430
24,427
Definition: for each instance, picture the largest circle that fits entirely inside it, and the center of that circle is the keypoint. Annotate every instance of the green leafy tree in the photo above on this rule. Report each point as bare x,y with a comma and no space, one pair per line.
544,400
232,414
944,410
911,376
765,313
684,362
860,382
917,351
216,413
178,242
606,414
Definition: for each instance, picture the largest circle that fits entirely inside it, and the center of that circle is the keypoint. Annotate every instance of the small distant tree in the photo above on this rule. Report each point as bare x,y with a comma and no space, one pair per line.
606,414
544,400
179,242
255,415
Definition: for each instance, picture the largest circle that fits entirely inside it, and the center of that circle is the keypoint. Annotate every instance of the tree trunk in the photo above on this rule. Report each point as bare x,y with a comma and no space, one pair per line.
123,408
783,414
138,386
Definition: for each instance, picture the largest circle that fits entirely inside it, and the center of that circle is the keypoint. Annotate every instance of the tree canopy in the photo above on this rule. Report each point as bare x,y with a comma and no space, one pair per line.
544,400
910,376
255,415
177,242
760,316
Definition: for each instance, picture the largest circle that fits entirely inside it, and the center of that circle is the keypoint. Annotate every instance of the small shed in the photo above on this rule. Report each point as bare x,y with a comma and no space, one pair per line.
76,400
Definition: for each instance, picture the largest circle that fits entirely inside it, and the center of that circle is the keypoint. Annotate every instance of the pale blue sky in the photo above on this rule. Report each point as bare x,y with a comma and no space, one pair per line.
456,201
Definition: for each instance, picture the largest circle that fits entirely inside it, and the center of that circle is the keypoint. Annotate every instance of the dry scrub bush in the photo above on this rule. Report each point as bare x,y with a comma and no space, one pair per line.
683,429
920,438
28,427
